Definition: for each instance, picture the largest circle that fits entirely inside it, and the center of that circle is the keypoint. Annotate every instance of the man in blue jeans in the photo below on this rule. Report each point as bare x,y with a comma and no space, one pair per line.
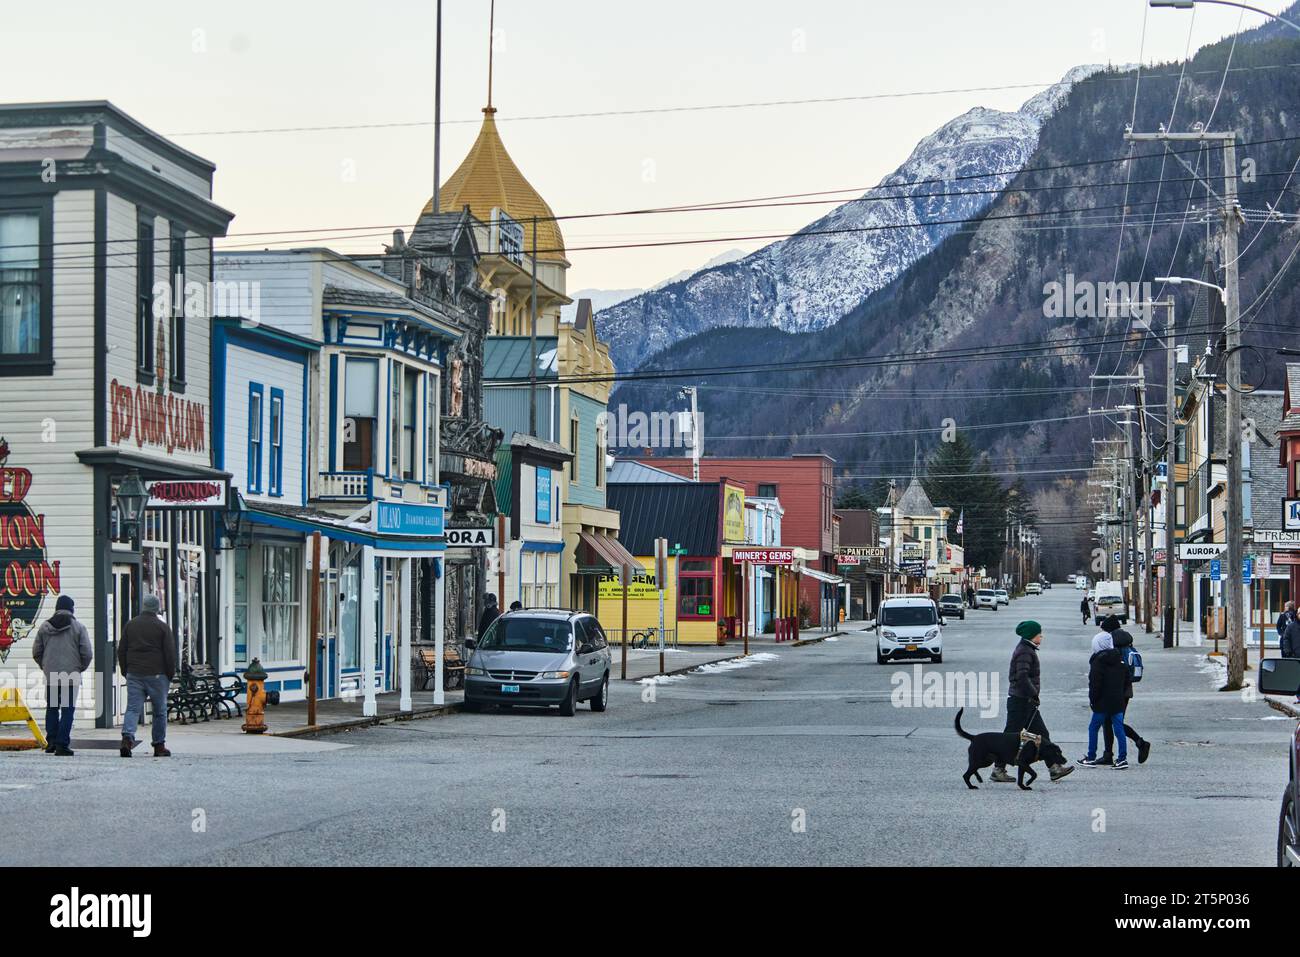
147,657
61,650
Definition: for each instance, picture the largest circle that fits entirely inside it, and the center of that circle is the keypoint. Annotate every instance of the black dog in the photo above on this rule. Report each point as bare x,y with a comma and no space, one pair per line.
1000,747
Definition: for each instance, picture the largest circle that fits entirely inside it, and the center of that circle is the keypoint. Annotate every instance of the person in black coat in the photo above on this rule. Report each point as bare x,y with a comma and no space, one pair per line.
1124,641
1024,684
490,614
1290,638
1084,607
1107,676
1288,615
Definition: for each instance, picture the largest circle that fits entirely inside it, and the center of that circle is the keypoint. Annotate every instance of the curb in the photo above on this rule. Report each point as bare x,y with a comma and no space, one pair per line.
812,641
1286,709
314,729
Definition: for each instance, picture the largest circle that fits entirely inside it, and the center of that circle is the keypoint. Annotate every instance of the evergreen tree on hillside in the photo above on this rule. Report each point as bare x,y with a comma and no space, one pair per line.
959,478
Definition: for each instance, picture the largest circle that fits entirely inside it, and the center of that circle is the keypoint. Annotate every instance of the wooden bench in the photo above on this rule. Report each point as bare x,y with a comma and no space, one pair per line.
424,667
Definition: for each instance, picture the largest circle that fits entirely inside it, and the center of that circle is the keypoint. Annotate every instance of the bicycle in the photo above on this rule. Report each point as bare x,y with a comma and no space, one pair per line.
641,639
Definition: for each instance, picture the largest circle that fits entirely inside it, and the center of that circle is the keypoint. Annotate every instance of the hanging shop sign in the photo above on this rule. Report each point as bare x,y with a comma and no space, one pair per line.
200,493
26,573
733,513
1277,538
471,537
763,556
155,419
1199,550
847,560
863,551
1286,558
1291,514
406,518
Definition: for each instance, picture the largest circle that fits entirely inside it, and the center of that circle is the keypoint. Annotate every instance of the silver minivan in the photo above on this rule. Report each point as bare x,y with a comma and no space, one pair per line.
537,658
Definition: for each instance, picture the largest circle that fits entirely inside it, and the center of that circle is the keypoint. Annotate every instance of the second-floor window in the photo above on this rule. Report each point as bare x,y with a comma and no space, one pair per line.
255,438
767,491
360,413
275,472
176,332
410,422
144,315
573,447
23,333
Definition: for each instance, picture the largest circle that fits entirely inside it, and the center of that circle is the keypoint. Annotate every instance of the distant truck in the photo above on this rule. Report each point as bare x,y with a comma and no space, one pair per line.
1110,600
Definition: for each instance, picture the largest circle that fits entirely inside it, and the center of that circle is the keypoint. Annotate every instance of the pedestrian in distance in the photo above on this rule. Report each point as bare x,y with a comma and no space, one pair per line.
1123,642
490,614
1023,712
147,657
1085,608
62,651
1106,678
1288,615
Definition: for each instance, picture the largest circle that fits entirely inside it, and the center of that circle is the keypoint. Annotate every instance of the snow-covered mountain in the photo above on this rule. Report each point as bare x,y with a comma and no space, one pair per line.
812,279
604,298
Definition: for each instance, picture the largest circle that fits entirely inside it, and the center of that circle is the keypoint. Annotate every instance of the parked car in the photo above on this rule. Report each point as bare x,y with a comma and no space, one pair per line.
539,657
986,598
909,627
1033,588
1046,585
1003,597
1282,676
1109,600
952,606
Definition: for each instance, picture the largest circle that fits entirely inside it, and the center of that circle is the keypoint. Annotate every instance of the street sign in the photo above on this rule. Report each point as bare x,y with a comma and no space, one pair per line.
1246,568
847,560
677,549
1286,558
471,537
1291,514
1263,567
1216,570
1277,538
862,551
763,556
1200,550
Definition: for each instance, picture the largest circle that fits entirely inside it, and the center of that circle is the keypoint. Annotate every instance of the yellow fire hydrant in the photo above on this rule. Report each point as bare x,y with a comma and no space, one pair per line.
255,698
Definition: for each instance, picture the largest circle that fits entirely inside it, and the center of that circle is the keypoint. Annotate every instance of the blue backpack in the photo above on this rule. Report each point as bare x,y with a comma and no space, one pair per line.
1133,658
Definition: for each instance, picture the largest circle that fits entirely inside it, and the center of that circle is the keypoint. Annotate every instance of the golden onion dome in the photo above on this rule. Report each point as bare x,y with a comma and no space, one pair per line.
488,179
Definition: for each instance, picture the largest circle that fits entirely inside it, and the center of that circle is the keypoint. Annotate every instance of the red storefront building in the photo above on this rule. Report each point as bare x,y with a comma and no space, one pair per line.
805,484
1289,457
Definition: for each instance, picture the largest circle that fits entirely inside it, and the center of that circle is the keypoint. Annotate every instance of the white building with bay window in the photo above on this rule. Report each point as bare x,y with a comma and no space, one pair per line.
331,414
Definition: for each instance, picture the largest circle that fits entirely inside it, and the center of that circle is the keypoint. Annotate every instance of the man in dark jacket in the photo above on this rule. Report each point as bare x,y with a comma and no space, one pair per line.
147,657
1083,607
490,614
61,650
1288,615
1290,638
1123,641
1022,702
1107,675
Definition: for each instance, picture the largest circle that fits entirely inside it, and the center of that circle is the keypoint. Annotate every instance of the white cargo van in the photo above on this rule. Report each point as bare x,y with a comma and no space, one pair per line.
1110,601
908,627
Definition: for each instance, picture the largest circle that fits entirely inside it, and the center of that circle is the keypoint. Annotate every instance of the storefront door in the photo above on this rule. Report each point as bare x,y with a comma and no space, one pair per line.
121,609
327,649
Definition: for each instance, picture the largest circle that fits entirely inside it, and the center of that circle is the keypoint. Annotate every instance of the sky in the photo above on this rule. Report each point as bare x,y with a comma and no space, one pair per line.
226,80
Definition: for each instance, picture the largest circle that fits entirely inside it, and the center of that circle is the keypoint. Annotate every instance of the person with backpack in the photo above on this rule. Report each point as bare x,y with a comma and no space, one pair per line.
1132,659
1107,675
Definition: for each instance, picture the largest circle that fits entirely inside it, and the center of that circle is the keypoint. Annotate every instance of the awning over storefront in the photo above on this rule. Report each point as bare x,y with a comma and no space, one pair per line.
608,550
337,529
821,576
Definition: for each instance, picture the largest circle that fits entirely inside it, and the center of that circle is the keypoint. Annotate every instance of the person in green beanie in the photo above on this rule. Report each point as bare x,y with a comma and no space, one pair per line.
1022,702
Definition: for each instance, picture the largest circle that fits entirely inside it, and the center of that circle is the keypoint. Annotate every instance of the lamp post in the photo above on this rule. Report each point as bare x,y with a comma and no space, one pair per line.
232,520
1190,4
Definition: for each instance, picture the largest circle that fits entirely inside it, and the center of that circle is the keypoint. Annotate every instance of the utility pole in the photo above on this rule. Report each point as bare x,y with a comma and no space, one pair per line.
532,347
1144,491
1232,427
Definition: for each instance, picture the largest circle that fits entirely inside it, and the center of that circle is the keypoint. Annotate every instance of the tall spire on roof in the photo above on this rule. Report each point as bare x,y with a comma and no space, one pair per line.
492,38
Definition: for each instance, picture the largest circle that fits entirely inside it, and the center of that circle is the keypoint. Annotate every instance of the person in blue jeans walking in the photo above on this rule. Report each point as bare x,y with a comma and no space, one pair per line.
1107,675
147,656
61,650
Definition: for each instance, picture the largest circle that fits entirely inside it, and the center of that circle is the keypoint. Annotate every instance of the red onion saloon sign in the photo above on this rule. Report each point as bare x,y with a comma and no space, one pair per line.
162,420
26,576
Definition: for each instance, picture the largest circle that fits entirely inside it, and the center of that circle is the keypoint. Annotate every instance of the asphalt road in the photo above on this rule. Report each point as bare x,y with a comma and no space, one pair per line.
798,759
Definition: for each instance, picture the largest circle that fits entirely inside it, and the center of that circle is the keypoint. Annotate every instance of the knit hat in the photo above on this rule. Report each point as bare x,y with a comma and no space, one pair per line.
1102,641
65,604
1027,629
1110,623
149,604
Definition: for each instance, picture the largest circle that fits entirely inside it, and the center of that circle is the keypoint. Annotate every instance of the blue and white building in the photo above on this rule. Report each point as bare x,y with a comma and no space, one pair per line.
329,382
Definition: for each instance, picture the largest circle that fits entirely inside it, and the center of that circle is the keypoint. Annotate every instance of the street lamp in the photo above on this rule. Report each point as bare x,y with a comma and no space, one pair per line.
131,499
1180,280
231,519
1189,4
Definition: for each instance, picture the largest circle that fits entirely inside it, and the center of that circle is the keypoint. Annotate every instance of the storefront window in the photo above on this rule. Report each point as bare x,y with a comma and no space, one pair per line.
280,602
695,588
241,606
349,621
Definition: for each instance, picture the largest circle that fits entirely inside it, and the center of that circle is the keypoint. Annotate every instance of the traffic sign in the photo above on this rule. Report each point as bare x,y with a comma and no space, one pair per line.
1216,570
1200,550
1246,569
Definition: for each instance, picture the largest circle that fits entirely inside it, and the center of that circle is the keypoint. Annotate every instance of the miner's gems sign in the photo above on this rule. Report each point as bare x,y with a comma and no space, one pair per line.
26,576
